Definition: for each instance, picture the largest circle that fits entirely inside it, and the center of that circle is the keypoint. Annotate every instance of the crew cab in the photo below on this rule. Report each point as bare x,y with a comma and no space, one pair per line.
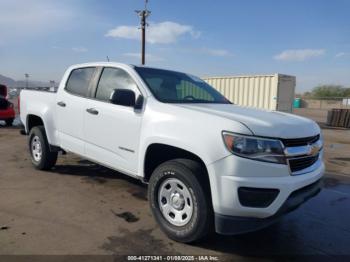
7,111
210,165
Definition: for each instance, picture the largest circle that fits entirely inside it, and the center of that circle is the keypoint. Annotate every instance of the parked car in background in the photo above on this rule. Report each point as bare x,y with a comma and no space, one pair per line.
210,165
7,111
13,93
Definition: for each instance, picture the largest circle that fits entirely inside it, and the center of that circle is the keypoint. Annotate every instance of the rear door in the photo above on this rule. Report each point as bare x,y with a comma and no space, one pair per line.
112,132
71,106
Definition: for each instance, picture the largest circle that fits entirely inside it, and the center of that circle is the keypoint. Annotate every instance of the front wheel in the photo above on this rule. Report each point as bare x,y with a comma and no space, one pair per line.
42,157
180,200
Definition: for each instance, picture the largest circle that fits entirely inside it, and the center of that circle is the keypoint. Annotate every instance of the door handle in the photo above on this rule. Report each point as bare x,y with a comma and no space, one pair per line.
61,104
92,111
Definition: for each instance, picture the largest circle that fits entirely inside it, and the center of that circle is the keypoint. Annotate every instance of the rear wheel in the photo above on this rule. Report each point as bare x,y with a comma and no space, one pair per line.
42,157
9,122
180,200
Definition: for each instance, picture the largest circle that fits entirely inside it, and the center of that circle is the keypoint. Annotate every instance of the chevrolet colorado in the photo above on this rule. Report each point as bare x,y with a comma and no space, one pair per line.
209,165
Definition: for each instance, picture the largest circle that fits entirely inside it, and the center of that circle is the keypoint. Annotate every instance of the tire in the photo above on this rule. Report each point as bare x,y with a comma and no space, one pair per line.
190,226
42,157
9,122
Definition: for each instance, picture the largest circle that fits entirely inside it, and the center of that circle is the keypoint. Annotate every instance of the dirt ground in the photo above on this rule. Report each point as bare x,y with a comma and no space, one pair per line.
80,208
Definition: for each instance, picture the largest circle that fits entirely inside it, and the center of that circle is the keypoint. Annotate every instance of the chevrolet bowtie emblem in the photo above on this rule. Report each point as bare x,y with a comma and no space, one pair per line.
313,150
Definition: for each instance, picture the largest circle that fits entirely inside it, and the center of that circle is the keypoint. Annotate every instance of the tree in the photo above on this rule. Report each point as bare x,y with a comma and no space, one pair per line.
307,94
347,92
330,91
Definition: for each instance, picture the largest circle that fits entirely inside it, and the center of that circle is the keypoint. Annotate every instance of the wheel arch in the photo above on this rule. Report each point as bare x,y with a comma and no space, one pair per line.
33,121
158,153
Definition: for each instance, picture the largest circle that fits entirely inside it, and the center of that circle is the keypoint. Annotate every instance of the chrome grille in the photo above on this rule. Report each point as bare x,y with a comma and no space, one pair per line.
303,153
300,163
300,141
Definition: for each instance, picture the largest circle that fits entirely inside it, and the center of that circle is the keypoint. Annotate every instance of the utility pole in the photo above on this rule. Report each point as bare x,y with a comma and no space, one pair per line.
27,80
143,14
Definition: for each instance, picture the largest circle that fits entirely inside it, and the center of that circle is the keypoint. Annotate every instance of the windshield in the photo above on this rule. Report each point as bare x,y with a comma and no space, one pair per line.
174,87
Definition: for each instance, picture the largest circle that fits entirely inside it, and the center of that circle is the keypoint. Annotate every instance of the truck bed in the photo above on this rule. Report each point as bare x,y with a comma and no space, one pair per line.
39,103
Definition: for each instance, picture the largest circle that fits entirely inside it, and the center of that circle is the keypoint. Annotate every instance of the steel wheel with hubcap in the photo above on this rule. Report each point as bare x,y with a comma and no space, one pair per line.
36,149
175,202
180,200
42,157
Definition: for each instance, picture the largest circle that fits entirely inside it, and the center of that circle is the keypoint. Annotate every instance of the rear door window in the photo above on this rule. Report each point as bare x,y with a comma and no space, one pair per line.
79,81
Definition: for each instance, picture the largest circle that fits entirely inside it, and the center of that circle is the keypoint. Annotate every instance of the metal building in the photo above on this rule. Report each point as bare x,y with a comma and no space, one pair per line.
272,92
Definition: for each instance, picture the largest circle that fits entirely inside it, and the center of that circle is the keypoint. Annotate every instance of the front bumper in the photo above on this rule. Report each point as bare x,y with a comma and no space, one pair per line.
230,174
229,225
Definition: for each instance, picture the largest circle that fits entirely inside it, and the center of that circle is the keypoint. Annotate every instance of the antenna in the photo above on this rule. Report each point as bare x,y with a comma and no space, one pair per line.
143,14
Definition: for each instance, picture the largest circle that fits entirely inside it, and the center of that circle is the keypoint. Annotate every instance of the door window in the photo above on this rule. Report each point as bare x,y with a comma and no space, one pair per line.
188,90
111,79
79,81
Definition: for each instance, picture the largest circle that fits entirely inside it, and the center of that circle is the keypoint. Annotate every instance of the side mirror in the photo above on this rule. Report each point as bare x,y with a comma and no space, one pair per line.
139,102
123,97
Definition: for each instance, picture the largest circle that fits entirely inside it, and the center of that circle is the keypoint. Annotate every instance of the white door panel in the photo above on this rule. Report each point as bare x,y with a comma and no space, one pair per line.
70,109
71,122
112,136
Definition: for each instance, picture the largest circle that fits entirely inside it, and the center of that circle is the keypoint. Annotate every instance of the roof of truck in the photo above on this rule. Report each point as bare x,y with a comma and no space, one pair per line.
116,64
101,64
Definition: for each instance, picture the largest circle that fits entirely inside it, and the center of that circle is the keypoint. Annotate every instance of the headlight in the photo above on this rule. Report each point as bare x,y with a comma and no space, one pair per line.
256,148
321,139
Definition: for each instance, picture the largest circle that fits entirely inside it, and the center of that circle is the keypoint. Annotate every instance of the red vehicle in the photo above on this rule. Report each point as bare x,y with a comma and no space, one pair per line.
7,111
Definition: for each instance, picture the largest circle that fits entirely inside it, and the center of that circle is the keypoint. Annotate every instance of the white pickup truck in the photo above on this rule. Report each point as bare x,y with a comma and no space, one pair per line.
210,165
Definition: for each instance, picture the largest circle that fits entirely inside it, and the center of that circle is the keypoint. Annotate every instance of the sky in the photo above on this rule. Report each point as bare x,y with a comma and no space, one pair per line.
308,39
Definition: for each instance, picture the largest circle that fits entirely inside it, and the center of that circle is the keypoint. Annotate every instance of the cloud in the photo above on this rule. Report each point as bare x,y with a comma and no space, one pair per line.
299,54
32,17
149,57
157,33
341,54
216,52
80,49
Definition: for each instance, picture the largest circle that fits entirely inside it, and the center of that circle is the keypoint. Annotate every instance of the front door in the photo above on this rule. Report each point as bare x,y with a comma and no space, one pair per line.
112,132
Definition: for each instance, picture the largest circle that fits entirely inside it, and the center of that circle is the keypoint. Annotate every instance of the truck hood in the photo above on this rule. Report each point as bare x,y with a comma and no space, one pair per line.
262,122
